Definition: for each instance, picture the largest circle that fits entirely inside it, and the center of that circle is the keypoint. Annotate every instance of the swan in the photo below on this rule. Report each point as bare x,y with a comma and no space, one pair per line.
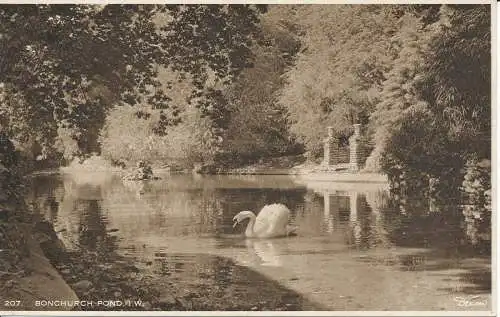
272,222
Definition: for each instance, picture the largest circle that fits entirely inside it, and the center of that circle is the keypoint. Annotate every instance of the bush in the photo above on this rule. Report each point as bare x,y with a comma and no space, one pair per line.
421,143
477,207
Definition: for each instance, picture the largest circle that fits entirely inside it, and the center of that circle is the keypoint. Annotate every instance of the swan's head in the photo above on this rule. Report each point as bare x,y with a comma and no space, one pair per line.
242,215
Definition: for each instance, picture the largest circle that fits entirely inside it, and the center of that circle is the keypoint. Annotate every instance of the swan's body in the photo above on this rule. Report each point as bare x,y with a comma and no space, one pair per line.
271,222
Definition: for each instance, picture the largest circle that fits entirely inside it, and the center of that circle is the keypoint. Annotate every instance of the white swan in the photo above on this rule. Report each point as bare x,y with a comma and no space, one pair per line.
272,222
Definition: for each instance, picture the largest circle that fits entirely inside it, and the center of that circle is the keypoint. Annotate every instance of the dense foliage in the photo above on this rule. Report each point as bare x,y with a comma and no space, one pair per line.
243,123
450,123
337,75
418,76
63,66
259,125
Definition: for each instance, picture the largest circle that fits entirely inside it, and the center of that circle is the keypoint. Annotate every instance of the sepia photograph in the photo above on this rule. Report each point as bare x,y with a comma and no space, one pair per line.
247,158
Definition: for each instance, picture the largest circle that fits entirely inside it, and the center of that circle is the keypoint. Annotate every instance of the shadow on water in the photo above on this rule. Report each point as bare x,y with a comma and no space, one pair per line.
432,241
208,282
76,212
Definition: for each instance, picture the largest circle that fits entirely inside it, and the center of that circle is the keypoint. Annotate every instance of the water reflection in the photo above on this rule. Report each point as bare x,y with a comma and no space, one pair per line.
185,206
265,252
358,215
340,226
75,210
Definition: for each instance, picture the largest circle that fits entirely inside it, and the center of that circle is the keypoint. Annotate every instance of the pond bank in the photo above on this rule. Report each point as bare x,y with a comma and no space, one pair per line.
301,169
26,275
56,280
37,273
294,165
40,281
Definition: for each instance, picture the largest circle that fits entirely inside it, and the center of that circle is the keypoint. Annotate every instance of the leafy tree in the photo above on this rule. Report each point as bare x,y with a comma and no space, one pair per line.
133,133
237,121
456,81
125,138
67,64
338,73
450,96
398,93
259,126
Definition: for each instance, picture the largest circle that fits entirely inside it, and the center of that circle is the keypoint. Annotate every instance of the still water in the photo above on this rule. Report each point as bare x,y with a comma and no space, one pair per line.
353,251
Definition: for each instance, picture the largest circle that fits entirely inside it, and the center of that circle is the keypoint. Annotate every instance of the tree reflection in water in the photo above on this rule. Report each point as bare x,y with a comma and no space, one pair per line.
93,235
433,227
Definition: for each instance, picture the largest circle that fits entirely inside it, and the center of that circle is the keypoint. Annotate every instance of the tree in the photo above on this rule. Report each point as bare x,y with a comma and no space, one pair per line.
449,90
259,125
55,56
457,79
338,73
398,93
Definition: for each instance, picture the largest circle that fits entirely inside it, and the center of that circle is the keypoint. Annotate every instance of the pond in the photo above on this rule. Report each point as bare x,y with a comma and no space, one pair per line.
353,250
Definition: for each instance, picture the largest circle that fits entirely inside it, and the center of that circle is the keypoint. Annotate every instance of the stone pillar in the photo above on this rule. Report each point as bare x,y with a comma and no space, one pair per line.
330,132
355,149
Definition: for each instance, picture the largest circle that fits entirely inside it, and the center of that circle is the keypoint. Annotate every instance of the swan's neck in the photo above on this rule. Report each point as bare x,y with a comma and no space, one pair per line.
249,232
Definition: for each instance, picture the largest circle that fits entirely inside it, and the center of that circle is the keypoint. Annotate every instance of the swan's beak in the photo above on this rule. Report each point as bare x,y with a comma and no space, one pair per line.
235,220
